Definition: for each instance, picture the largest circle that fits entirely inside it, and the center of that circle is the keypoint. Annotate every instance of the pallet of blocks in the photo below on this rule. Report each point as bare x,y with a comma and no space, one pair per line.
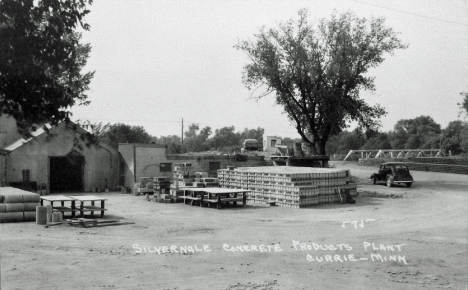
289,186
161,184
17,205
183,175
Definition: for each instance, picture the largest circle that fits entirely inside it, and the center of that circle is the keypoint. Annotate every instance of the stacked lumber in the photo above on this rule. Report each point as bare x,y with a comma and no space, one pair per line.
17,205
288,186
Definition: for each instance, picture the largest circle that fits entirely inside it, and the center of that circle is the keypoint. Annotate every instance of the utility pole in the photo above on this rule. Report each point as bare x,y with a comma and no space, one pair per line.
182,137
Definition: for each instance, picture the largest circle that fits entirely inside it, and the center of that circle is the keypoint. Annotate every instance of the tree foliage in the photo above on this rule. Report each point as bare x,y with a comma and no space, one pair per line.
196,142
419,133
464,104
317,73
173,143
122,133
41,59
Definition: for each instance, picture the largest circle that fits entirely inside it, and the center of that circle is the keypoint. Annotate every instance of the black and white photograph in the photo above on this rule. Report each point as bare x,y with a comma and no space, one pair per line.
233,145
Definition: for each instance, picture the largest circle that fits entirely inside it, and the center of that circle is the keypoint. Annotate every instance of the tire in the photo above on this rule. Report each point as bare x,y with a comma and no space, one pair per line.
408,184
374,181
389,181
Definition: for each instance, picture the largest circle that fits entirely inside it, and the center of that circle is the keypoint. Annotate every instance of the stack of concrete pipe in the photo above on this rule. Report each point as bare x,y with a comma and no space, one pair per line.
17,205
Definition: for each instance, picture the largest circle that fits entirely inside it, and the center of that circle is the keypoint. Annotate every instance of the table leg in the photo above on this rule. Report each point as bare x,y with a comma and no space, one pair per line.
235,196
73,208
218,204
244,199
92,204
102,207
81,209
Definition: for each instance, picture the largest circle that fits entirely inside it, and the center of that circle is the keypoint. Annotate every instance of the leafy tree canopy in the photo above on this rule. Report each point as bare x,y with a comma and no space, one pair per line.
41,60
318,72
121,133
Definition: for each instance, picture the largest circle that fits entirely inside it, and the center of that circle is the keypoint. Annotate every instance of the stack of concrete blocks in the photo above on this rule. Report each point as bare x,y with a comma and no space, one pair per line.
288,186
161,184
17,205
184,176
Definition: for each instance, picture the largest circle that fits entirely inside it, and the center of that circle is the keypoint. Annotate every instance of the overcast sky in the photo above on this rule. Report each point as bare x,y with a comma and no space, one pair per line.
157,62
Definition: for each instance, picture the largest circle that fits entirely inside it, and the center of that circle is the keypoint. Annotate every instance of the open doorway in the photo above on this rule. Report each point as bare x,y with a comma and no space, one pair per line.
66,173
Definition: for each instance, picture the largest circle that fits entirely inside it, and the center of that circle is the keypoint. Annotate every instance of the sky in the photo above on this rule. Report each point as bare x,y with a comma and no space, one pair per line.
157,62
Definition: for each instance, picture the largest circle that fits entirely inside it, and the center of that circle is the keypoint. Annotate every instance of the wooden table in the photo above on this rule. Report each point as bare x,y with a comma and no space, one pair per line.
62,199
90,208
214,195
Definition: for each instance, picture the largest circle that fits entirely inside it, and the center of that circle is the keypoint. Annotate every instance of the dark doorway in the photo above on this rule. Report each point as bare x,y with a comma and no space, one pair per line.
66,173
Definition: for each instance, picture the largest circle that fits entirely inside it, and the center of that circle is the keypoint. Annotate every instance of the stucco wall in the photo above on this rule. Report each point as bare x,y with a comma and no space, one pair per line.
100,163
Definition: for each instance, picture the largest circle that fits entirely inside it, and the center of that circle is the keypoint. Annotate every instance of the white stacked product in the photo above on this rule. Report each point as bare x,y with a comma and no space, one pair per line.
184,176
296,187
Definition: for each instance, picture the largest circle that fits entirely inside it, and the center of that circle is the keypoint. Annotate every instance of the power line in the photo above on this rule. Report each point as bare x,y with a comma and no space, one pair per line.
186,121
141,121
410,13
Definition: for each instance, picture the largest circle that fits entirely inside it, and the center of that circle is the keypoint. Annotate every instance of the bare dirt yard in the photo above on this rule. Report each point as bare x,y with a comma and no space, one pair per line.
416,240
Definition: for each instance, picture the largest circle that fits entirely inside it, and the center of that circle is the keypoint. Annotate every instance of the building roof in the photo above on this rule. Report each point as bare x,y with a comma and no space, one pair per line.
20,142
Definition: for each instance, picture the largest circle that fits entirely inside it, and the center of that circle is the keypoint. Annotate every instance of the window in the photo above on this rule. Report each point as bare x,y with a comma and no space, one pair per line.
273,143
26,175
165,167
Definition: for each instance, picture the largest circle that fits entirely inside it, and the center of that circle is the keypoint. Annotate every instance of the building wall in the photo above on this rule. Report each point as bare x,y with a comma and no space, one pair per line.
202,162
127,164
148,162
144,160
101,163
267,142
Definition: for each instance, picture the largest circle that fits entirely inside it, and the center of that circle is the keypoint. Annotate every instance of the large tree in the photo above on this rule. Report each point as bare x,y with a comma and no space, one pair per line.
41,59
419,133
317,72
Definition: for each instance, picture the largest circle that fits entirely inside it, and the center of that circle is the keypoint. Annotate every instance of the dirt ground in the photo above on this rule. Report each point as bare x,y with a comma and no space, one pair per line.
416,241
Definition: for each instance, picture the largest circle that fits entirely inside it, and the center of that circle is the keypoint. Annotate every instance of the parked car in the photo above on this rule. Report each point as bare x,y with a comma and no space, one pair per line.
392,173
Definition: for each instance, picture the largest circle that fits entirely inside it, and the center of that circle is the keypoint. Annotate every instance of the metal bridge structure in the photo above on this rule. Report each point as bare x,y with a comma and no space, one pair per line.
394,153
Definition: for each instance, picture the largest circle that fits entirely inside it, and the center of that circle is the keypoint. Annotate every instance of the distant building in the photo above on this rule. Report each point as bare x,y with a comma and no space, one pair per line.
270,142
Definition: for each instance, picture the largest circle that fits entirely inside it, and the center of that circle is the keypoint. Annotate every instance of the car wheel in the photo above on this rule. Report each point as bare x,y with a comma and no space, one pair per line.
389,181
408,184
374,180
